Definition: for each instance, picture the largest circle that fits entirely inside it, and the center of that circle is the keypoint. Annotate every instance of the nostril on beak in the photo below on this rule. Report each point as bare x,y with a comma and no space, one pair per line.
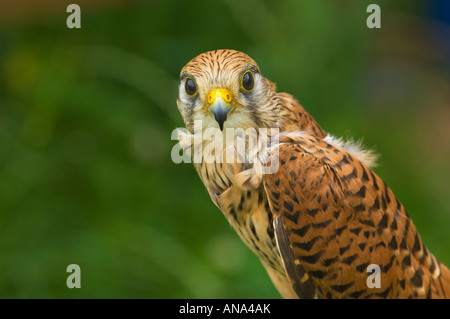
219,92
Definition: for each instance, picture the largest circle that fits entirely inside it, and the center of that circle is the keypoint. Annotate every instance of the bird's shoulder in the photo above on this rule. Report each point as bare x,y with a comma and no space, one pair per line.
293,117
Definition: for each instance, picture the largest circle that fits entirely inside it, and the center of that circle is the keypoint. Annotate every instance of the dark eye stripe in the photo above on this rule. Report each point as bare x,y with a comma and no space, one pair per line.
190,87
248,81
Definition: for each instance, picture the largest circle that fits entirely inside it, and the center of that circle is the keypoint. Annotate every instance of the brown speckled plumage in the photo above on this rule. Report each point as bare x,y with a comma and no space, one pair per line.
324,216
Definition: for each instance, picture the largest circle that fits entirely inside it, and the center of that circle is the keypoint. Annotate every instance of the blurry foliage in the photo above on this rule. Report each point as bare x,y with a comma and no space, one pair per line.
85,123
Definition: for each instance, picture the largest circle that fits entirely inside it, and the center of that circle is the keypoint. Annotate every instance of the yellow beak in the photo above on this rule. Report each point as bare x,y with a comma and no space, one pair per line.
220,104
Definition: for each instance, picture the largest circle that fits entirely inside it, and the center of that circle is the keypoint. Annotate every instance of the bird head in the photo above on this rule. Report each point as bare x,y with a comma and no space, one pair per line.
225,89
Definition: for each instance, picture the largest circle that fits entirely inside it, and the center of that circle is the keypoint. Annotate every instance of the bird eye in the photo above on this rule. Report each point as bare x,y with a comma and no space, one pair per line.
248,81
190,87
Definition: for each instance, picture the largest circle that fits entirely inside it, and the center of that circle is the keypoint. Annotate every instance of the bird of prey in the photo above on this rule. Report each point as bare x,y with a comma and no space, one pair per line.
323,224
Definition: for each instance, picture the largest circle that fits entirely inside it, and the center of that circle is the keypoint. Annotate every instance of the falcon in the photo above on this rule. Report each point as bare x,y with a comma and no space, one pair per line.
323,224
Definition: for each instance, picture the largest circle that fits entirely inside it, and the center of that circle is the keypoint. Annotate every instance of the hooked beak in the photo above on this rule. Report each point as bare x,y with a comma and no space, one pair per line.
219,104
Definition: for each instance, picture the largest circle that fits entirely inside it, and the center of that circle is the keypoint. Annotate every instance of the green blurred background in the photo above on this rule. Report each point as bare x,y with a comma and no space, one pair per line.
86,117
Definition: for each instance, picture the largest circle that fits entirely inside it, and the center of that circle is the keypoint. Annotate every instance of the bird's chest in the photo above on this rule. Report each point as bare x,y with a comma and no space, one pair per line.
247,211
249,214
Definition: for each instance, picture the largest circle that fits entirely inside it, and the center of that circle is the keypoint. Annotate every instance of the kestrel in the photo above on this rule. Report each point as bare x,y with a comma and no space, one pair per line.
323,224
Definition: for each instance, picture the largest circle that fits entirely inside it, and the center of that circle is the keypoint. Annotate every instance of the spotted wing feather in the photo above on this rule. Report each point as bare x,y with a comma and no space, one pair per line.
301,282
335,217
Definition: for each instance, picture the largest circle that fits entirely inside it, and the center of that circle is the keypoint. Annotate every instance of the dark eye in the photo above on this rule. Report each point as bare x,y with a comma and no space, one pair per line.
190,87
248,82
